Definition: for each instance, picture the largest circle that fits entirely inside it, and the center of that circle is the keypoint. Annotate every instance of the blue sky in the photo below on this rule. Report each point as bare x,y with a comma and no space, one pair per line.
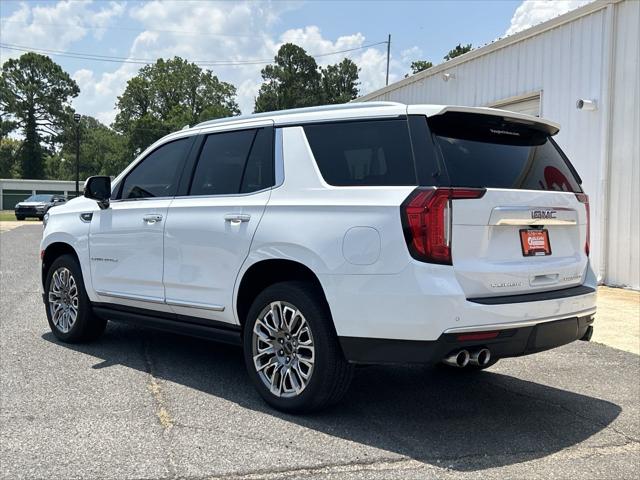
252,31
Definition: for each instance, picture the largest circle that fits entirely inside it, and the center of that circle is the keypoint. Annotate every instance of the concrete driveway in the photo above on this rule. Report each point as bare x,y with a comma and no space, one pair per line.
141,404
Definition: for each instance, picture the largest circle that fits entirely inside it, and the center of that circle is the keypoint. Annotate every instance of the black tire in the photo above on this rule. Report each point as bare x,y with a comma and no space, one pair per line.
19,217
86,326
331,374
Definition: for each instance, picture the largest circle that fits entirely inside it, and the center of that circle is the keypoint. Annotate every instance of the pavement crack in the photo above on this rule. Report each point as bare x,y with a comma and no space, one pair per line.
160,404
164,418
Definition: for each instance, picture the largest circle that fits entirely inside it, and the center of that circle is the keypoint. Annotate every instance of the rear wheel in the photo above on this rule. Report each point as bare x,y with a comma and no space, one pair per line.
291,350
19,217
69,312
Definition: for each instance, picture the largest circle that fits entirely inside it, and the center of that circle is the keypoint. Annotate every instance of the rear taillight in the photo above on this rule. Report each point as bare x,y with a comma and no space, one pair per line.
426,219
584,198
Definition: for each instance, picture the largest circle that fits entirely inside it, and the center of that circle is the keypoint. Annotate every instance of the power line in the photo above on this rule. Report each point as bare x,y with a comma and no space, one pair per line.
141,61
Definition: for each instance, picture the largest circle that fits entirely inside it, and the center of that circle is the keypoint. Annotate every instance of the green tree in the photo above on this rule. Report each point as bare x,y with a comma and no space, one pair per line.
418,66
9,151
292,81
168,95
102,151
35,95
458,50
340,82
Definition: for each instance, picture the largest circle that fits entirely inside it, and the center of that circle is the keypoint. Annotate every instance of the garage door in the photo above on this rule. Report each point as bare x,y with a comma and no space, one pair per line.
529,105
11,197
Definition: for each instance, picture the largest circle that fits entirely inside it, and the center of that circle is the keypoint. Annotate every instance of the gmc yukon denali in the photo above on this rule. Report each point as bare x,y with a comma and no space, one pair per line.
326,237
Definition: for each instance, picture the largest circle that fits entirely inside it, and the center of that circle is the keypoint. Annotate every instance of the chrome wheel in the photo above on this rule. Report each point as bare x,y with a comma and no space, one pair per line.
283,350
63,299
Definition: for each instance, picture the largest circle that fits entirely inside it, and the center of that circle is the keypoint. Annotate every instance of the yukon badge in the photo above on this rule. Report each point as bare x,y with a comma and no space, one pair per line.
543,214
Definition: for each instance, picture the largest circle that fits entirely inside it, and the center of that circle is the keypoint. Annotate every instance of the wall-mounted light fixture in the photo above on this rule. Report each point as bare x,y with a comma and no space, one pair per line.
583,104
448,76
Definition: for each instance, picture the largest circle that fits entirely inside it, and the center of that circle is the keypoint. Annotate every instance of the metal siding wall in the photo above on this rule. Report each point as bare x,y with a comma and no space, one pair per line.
566,64
623,255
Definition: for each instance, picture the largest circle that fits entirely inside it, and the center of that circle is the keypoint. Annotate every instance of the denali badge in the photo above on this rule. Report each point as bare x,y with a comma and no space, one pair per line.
506,284
543,214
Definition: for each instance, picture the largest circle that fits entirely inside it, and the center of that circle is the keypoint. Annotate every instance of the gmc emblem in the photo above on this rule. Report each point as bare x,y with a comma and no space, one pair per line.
543,214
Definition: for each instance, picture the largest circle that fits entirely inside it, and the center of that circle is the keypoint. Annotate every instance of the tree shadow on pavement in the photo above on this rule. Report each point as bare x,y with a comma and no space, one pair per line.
464,422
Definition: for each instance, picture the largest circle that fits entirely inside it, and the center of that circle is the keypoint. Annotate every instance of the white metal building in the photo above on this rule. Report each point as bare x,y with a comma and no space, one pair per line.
592,53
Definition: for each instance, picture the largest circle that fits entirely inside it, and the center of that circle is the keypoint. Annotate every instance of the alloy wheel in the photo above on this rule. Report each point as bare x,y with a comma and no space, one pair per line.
283,349
63,299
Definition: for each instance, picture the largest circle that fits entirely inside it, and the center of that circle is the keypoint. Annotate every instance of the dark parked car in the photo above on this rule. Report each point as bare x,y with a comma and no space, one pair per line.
37,205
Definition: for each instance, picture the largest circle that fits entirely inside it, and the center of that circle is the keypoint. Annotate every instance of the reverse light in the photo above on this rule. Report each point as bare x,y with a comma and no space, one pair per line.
427,219
584,198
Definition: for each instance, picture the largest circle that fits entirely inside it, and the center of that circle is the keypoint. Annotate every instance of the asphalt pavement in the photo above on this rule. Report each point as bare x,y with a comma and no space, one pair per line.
149,405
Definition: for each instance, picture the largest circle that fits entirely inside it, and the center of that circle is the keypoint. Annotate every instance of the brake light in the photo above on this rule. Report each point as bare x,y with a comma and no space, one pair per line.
426,219
584,198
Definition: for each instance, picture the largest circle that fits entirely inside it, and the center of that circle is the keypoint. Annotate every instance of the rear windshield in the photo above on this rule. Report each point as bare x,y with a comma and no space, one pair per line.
363,153
487,151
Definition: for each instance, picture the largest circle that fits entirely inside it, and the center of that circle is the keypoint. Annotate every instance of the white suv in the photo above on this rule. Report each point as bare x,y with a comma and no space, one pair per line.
326,237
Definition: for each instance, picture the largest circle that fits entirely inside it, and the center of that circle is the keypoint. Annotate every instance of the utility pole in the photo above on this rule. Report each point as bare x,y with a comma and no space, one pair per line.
388,54
76,118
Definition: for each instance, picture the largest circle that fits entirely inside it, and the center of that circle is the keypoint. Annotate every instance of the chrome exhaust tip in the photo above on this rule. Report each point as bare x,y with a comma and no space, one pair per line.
459,359
480,358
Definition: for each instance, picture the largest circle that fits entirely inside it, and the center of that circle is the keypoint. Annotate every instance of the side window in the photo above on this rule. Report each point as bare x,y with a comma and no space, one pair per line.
363,153
157,175
234,162
259,172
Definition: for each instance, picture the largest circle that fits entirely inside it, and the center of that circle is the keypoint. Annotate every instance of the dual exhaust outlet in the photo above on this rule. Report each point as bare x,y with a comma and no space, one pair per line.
462,358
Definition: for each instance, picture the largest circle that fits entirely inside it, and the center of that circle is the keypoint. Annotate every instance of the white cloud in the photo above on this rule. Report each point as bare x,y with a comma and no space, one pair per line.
533,12
56,26
196,31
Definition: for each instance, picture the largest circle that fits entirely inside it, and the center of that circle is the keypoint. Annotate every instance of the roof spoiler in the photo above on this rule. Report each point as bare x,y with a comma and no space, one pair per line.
549,127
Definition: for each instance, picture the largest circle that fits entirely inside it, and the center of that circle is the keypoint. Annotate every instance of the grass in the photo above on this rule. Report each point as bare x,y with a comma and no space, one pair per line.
9,216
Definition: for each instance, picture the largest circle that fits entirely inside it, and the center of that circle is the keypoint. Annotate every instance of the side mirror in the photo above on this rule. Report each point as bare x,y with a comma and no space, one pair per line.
98,188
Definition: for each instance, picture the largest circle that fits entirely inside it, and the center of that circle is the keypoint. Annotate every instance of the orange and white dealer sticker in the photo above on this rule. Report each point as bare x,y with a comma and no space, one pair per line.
535,242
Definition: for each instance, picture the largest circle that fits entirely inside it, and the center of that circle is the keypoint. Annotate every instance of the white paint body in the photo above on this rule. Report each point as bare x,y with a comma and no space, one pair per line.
191,262
591,53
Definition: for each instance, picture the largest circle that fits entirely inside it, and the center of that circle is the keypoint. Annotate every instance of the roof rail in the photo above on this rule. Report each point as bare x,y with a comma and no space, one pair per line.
278,113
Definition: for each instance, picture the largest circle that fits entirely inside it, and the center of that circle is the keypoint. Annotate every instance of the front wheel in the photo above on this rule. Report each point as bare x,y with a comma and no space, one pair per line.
69,312
291,350
19,217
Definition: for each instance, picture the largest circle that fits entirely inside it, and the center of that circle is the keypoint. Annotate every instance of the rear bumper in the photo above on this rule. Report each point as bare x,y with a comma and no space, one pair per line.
423,301
512,340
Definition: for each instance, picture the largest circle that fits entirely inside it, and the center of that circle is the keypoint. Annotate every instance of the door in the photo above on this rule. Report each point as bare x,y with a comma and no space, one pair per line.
209,231
126,240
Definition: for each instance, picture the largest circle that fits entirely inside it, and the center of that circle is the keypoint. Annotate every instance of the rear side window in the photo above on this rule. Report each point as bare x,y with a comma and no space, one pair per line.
234,162
363,153
157,175
491,152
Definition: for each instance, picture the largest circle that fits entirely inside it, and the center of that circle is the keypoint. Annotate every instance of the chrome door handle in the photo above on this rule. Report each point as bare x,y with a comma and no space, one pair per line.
152,219
236,218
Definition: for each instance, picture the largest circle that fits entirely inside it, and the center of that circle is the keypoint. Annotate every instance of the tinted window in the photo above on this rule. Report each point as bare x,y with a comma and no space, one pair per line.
234,162
487,151
158,173
39,198
259,171
364,153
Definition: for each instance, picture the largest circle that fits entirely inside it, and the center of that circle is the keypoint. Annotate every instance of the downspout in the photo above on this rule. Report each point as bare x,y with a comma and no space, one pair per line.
605,138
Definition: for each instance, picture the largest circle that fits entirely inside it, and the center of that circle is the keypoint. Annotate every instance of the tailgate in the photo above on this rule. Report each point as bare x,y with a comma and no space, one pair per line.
494,254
